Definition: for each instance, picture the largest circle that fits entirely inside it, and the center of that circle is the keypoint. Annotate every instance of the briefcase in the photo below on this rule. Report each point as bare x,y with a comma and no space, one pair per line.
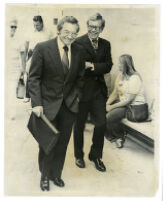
20,91
43,132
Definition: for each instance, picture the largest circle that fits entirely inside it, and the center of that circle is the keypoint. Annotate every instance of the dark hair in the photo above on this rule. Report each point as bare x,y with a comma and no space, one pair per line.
128,61
38,18
95,17
68,19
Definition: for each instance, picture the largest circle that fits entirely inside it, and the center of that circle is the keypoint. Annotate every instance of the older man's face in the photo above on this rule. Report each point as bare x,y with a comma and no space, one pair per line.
94,29
68,33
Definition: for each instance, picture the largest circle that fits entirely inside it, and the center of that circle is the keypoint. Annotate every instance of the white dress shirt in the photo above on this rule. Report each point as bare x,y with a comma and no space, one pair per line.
61,50
92,42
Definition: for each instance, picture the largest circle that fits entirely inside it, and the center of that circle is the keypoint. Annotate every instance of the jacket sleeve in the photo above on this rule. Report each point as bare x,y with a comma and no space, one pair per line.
104,67
80,76
34,80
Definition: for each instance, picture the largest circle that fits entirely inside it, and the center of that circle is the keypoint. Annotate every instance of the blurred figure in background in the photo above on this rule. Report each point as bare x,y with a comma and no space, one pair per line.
40,34
15,65
13,27
127,100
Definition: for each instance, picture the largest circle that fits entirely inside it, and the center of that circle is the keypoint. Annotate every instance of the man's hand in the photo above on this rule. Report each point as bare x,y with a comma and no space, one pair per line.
89,65
22,72
109,107
78,100
38,110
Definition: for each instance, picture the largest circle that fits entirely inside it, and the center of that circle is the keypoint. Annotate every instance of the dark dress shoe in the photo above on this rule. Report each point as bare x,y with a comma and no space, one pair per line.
58,182
111,138
44,183
80,163
98,164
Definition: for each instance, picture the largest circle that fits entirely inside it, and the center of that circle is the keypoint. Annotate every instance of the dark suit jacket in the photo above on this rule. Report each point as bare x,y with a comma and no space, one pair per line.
94,80
47,84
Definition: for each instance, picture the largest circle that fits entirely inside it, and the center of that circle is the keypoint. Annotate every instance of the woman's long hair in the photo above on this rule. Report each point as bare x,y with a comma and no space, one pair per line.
129,64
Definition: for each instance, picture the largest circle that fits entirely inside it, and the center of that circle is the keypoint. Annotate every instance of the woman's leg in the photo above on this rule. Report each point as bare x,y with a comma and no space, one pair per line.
114,128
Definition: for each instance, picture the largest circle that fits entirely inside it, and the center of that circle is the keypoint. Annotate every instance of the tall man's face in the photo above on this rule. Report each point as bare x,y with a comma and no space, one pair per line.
68,33
38,26
94,29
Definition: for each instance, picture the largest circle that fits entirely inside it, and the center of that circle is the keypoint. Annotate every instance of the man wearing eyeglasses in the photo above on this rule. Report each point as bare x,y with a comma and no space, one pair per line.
13,27
55,81
98,62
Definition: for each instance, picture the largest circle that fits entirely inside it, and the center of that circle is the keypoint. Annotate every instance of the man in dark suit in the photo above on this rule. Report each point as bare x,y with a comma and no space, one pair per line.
55,81
98,61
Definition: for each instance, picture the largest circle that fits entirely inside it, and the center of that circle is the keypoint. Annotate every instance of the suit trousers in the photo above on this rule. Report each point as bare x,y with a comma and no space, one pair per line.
97,109
51,165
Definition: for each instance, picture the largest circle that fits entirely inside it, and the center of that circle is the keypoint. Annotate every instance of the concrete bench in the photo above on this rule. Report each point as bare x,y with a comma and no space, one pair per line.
142,133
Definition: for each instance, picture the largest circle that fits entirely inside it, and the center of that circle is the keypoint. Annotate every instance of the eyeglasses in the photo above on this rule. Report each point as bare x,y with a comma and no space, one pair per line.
74,35
94,27
13,27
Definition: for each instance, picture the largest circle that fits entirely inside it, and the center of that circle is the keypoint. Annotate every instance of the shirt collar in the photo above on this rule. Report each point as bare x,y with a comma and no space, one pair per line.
92,39
61,44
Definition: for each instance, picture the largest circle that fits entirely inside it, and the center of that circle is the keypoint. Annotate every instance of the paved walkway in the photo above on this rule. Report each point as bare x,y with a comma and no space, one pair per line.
130,171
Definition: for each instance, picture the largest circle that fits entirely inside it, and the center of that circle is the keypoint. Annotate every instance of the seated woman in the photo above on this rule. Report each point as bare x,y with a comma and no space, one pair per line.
126,101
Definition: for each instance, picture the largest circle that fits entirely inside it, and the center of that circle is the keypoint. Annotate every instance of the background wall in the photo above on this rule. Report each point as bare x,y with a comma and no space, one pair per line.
130,29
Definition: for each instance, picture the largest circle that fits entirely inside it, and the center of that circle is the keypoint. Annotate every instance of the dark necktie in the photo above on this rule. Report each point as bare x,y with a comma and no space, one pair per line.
65,60
95,43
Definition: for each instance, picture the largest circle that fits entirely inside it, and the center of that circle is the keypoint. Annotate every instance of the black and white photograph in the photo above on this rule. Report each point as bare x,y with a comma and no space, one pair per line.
82,100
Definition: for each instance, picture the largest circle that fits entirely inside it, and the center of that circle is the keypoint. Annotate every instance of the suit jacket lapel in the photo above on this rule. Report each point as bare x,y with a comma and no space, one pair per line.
55,56
87,44
100,45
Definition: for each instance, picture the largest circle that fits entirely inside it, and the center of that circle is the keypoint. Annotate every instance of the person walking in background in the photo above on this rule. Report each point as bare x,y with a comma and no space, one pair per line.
40,34
15,65
13,27
128,94
55,81
98,62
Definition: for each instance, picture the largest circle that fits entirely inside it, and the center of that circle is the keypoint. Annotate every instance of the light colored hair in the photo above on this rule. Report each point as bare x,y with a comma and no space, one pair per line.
95,17
129,64
14,22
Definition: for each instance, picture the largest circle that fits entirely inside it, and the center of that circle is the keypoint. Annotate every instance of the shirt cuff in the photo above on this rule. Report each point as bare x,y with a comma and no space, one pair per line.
93,67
